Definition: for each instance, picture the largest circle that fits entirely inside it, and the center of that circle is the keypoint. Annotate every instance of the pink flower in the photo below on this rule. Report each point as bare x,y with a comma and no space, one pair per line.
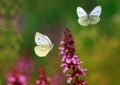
65,67
69,79
40,82
62,43
63,58
14,78
81,82
42,78
82,72
22,70
74,59
70,59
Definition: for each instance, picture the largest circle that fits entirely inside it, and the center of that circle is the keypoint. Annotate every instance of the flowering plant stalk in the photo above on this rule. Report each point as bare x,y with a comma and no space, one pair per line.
21,71
15,78
42,78
70,60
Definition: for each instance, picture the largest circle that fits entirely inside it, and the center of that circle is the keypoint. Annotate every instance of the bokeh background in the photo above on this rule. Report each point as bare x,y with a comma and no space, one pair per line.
97,45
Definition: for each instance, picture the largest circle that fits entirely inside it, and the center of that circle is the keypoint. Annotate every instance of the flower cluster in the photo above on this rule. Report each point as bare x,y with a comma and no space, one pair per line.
71,60
15,78
21,71
42,78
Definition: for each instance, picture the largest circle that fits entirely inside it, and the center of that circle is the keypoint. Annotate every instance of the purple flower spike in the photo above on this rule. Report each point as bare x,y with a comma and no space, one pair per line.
71,61
15,78
42,78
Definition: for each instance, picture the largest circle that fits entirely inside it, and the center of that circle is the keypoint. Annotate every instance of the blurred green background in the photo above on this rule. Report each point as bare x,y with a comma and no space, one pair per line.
97,45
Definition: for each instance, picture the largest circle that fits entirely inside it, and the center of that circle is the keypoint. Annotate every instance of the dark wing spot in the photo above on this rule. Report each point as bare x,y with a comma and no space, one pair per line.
38,38
80,13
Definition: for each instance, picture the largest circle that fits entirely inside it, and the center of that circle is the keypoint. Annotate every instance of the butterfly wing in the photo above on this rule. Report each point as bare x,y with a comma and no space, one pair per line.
83,19
93,19
47,39
42,50
96,11
44,44
41,39
81,12
94,15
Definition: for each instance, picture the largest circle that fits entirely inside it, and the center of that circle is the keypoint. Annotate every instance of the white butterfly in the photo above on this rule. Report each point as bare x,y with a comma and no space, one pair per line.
44,45
86,19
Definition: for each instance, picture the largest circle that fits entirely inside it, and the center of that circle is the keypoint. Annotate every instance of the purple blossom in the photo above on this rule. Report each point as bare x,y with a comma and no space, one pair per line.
69,79
21,71
71,61
80,82
15,78
42,78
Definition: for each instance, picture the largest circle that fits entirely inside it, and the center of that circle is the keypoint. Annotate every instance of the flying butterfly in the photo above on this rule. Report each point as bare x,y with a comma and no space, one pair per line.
44,45
92,18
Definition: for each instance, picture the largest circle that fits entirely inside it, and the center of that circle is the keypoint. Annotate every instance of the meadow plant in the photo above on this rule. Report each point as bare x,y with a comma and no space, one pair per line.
42,78
21,71
15,78
70,60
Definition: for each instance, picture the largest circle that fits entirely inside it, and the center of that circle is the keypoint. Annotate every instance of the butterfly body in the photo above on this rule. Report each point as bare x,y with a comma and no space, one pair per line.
44,45
86,19
88,16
